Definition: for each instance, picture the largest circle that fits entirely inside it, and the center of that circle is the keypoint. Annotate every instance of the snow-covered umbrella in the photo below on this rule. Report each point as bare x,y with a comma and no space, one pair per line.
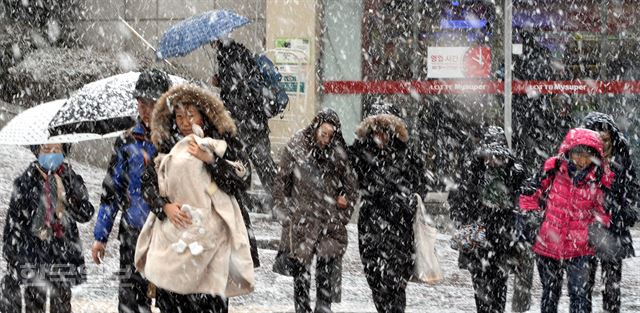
30,127
196,31
101,107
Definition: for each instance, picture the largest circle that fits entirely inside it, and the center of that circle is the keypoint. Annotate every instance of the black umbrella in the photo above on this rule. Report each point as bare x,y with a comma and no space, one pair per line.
100,107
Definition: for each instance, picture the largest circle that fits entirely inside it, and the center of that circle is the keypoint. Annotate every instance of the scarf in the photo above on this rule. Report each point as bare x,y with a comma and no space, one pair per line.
49,214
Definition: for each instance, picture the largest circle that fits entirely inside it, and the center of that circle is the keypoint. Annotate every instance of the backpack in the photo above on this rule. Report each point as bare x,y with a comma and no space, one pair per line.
269,86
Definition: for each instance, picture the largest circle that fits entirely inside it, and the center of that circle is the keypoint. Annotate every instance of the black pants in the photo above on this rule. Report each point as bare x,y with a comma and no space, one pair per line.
258,146
170,302
132,292
35,297
387,284
302,285
490,284
522,268
611,278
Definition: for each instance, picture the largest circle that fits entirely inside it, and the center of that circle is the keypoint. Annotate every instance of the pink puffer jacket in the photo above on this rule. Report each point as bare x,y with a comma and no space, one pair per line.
570,208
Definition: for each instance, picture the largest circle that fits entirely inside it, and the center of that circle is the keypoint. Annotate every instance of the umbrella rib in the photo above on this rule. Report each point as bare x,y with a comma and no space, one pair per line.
143,40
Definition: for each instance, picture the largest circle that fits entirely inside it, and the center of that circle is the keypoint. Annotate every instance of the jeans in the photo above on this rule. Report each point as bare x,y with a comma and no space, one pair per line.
578,280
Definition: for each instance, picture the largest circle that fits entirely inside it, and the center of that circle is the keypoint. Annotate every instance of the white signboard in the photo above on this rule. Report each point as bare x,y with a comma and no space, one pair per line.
459,62
300,50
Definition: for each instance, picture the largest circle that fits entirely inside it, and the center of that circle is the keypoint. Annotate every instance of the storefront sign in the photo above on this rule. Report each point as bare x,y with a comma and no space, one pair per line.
291,84
292,78
458,62
300,50
480,87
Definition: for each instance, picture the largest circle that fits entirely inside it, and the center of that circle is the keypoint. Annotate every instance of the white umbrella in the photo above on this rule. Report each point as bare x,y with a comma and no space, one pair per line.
101,107
30,127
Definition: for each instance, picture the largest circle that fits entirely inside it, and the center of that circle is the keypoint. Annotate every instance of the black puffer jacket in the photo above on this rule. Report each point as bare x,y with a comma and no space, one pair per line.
237,71
621,201
387,180
487,195
24,251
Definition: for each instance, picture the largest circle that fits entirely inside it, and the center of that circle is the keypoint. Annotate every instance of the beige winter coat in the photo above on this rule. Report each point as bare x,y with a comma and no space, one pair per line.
211,255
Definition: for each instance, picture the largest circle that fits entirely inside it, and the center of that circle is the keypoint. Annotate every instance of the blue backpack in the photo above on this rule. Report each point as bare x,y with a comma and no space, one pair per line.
272,91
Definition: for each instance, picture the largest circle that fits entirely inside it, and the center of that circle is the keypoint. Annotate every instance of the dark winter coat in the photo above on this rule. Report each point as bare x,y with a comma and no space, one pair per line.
59,258
306,187
622,199
122,187
487,195
218,124
540,124
237,69
446,138
571,205
388,178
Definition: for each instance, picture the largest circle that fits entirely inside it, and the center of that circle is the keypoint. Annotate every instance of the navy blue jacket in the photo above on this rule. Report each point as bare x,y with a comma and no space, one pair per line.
122,187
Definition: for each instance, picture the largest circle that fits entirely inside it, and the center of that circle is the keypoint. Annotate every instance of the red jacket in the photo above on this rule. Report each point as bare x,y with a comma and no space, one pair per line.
570,208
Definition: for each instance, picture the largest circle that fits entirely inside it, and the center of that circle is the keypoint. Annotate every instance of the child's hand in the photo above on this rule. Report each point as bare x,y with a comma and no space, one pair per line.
200,154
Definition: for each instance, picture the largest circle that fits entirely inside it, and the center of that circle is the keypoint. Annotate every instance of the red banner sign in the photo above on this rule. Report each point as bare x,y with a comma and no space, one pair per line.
435,87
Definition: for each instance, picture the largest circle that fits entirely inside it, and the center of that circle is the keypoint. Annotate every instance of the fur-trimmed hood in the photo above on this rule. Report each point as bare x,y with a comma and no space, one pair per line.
163,125
385,122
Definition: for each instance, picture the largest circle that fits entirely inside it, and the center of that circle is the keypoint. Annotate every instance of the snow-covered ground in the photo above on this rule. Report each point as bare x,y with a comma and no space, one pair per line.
273,292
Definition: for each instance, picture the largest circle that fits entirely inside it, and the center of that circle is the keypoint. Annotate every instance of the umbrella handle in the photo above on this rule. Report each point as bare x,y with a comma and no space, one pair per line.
143,40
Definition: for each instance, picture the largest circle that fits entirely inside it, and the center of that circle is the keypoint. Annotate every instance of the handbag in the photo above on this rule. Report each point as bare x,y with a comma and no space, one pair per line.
426,268
469,237
607,245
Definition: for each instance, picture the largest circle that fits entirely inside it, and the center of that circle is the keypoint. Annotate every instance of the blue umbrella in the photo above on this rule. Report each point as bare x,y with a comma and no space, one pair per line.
196,31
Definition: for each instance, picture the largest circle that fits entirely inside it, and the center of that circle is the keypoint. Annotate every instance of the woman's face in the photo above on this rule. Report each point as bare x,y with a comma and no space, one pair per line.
324,134
381,138
582,159
186,116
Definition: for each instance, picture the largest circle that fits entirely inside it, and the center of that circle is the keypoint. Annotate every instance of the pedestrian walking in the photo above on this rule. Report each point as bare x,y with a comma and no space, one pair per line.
389,174
200,162
485,203
316,191
570,186
237,72
41,243
621,204
122,192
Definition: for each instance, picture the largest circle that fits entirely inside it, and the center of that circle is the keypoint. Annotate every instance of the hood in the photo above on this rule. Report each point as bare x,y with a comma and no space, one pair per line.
325,116
599,122
385,122
383,116
582,137
163,126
